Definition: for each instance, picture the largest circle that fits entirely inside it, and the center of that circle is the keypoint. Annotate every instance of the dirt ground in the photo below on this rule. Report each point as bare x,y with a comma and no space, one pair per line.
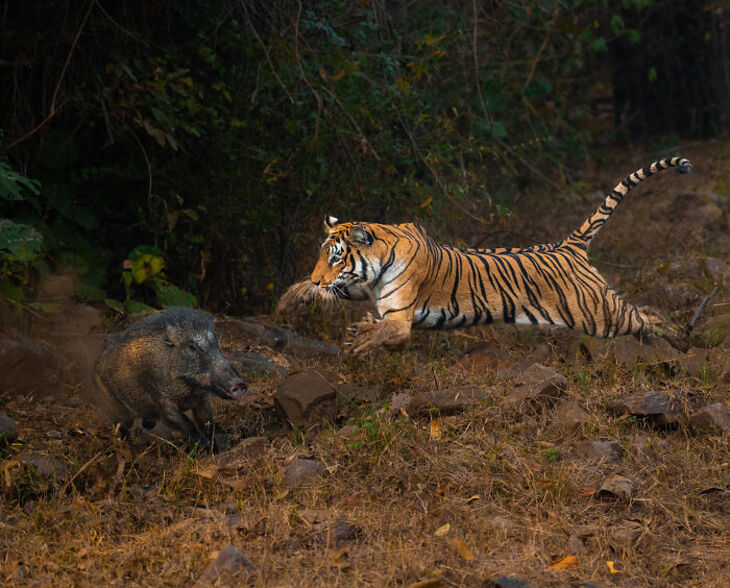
461,497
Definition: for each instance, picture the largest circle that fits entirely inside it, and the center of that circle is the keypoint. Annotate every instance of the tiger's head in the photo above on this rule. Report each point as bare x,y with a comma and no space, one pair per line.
346,261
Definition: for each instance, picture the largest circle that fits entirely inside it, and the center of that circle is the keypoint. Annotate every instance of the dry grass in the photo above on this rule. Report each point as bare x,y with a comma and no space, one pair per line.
152,515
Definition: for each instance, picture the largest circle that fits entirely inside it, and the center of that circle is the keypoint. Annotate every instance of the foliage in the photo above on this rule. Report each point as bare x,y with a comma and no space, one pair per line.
221,133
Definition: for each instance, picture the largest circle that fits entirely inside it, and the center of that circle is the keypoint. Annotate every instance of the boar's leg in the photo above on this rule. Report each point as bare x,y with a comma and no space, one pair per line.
172,417
204,419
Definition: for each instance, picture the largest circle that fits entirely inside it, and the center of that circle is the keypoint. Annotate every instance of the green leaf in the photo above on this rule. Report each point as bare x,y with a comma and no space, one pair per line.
135,307
499,131
114,305
171,295
22,241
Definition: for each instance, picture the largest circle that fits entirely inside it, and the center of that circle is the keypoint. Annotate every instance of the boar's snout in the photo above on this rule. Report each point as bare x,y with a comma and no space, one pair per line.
237,390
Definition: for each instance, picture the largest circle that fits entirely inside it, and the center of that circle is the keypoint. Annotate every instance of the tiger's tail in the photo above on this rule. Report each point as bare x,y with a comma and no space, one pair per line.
590,227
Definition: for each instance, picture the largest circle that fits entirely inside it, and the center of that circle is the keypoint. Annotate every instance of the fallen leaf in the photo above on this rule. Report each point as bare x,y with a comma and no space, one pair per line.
463,550
611,568
473,498
436,430
339,75
208,472
566,563
441,531
588,492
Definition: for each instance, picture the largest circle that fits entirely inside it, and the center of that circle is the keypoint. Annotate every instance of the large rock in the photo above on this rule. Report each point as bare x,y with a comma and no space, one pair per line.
252,363
230,562
240,455
27,367
616,487
714,418
9,430
485,358
569,415
537,384
627,351
712,332
306,398
610,451
300,472
659,408
274,337
446,401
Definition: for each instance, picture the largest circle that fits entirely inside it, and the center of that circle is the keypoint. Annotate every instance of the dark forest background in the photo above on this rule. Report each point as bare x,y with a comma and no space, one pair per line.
182,152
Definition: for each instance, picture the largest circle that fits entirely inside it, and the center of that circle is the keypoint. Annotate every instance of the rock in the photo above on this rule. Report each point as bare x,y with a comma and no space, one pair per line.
230,561
256,364
598,450
274,337
575,545
306,398
714,418
628,351
27,367
712,332
446,401
332,533
616,487
44,466
626,532
301,471
537,384
400,402
9,429
485,358
501,523
509,582
356,394
716,269
569,415
53,434
658,407
240,455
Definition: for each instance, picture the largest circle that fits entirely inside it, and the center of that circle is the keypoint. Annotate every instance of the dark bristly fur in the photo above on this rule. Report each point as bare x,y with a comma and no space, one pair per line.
164,365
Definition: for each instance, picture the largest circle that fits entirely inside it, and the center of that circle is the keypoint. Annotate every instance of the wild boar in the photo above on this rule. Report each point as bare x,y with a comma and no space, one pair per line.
166,364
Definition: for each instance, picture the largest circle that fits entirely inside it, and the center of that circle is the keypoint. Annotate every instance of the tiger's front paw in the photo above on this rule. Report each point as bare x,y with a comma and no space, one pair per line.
369,334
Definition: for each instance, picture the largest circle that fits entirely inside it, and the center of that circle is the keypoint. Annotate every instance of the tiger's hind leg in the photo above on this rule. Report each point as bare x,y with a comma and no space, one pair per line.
623,318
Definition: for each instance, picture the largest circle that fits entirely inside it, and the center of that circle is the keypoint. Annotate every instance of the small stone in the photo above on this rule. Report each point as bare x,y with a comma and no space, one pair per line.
332,532
569,415
306,398
575,545
9,429
537,384
485,358
598,450
714,418
400,402
53,434
716,269
301,471
616,487
510,582
230,561
44,466
240,455
712,332
501,523
448,400
659,407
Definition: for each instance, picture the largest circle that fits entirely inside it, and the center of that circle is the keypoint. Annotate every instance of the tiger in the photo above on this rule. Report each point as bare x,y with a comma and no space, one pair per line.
416,283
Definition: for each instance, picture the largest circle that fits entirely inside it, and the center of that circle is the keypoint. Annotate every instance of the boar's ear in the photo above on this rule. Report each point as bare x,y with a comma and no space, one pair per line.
360,236
330,222
173,336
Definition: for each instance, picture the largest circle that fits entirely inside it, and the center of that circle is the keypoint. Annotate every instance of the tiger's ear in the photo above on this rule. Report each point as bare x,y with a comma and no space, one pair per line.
360,236
330,222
